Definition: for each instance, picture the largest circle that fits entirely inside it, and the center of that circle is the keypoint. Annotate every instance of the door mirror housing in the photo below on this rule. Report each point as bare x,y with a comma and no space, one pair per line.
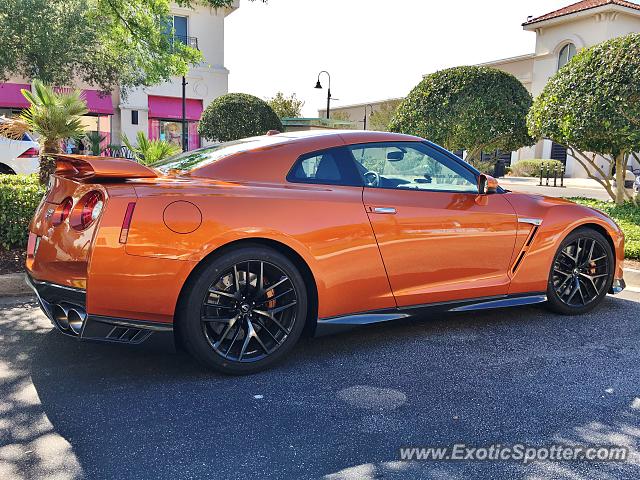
487,184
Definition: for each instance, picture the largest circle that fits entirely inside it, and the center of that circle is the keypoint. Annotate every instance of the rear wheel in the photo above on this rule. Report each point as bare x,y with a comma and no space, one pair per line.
581,273
245,310
6,170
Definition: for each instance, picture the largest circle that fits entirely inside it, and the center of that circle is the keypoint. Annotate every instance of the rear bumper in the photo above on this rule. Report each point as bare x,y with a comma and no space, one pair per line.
66,308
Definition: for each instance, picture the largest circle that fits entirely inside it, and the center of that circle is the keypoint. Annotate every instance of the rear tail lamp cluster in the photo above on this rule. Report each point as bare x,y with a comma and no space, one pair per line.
87,210
62,212
30,153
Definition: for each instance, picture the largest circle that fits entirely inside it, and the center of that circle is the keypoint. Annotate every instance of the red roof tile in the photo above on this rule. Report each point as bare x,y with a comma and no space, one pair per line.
581,6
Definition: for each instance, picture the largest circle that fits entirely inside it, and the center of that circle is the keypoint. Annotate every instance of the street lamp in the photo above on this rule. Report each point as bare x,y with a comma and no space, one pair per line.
193,43
364,120
318,85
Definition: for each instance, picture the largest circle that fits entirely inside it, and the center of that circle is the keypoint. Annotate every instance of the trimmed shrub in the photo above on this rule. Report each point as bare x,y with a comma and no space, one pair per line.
237,115
531,168
19,198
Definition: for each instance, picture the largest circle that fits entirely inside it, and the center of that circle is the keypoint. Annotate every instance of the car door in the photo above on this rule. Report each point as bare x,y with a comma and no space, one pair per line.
439,239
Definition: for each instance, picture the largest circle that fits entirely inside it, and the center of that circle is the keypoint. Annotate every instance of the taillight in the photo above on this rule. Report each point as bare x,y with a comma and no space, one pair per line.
126,222
87,210
62,211
30,153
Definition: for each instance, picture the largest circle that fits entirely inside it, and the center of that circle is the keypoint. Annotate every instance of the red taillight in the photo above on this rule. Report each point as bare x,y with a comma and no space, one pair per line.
126,223
32,152
63,211
87,210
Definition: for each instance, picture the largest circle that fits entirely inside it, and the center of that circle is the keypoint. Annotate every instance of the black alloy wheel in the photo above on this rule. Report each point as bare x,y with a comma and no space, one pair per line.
244,310
582,272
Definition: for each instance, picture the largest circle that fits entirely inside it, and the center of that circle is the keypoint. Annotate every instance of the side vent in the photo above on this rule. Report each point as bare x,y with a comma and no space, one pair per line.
525,247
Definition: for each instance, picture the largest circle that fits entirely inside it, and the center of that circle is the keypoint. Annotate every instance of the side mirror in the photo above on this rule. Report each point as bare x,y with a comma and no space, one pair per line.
487,184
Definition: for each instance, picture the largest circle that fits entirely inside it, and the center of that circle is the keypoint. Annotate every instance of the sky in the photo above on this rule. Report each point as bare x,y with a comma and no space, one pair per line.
373,49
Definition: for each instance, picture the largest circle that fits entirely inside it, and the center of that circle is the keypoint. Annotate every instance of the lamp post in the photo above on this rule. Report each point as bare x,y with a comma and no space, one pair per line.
364,120
318,85
185,133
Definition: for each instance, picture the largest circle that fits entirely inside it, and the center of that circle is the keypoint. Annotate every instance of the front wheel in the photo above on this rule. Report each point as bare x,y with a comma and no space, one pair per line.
581,273
244,311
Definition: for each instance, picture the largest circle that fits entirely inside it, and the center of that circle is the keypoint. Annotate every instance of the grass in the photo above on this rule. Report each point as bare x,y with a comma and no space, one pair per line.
627,216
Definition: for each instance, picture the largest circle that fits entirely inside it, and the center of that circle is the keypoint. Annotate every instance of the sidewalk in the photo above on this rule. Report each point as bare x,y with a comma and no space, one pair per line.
568,182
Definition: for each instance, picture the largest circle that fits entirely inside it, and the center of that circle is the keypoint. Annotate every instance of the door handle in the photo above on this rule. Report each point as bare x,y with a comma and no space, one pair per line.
387,210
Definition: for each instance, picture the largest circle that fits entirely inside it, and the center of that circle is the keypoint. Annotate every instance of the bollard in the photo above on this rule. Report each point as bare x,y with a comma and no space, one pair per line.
562,176
540,175
555,175
547,174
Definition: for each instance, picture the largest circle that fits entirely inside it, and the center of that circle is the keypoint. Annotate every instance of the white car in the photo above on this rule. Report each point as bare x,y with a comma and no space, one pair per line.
19,156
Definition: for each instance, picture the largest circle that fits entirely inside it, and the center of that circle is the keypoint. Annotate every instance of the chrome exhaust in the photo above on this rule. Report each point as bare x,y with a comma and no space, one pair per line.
61,316
75,319
69,318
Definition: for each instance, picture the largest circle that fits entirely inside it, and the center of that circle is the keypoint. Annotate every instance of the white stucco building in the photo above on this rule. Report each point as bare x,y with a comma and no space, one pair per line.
559,35
157,110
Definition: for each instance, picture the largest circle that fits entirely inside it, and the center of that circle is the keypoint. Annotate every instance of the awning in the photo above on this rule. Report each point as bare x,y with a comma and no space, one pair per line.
171,108
11,96
98,102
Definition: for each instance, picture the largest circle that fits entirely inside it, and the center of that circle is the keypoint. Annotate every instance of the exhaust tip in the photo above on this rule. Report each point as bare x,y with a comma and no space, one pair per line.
61,316
76,319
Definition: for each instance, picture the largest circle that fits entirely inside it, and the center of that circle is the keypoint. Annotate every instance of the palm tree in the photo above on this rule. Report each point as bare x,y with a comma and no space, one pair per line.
148,151
54,116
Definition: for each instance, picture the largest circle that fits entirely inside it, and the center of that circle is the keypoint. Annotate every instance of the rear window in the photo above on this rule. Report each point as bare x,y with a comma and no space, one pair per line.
187,161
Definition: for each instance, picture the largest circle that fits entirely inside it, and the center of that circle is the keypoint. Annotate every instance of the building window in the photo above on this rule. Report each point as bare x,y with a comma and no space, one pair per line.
176,28
566,53
134,117
171,131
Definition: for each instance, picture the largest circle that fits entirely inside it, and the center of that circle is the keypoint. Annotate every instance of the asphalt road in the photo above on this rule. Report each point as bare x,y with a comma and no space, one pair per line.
339,408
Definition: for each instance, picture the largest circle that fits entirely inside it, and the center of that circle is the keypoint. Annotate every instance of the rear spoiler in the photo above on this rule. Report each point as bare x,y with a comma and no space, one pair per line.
84,167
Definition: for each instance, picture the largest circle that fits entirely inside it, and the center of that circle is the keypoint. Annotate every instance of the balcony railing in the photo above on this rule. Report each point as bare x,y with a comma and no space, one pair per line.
189,41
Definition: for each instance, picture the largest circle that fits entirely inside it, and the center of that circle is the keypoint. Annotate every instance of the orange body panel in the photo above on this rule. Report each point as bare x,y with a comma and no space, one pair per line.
435,247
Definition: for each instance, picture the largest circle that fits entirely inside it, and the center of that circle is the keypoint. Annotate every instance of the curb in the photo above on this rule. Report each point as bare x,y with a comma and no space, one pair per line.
632,277
13,284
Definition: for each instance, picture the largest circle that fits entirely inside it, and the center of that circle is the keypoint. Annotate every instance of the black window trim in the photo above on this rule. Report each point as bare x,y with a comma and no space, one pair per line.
347,168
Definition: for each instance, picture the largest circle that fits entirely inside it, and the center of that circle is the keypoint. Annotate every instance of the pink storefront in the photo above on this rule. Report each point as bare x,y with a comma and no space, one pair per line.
100,106
165,119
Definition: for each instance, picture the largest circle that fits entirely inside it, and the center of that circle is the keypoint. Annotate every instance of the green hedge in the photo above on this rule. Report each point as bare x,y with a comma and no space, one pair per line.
19,198
531,168
627,216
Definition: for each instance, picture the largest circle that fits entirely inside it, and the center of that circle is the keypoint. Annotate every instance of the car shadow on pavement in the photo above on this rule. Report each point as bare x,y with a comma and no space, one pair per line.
338,406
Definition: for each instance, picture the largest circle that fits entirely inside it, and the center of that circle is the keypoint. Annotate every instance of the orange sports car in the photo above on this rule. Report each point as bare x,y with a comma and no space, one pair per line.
235,250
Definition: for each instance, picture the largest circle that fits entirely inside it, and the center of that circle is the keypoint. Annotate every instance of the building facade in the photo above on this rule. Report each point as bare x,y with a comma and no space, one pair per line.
559,35
156,110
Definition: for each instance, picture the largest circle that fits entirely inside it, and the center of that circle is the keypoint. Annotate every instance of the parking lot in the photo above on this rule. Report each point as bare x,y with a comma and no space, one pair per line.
340,407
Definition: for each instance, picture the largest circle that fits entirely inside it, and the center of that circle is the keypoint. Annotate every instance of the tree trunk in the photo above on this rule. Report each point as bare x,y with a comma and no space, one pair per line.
47,163
621,171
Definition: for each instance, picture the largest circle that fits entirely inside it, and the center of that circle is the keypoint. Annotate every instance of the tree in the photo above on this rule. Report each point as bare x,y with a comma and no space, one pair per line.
105,43
237,115
148,152
381,117
54,116
592,106
467,108
286,107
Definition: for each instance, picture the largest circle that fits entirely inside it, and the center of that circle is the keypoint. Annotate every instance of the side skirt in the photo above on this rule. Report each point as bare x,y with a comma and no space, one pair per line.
326,326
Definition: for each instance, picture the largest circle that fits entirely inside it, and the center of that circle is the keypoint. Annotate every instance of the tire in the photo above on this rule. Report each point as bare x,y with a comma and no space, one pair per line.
580,276
6,170
224,310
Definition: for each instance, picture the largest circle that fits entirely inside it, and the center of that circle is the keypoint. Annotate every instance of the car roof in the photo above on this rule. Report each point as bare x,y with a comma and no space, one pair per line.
348,136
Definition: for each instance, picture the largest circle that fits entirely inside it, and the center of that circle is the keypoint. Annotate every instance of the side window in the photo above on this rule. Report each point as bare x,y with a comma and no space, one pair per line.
411,165
329,167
